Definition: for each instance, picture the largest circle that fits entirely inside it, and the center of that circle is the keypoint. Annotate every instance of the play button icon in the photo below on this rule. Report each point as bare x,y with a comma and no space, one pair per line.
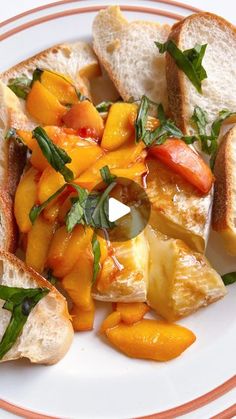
117,209
127,210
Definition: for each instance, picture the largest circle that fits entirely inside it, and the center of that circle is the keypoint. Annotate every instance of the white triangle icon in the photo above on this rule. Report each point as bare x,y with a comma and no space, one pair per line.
116,209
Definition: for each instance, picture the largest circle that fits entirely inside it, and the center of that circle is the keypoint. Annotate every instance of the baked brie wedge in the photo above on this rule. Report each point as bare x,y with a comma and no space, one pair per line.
180,279
124,274
178,209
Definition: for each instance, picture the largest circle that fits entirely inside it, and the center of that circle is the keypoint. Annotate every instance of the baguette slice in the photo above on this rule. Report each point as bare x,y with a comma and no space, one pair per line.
128,53
78,61
219,88
180,280
224,206
48,333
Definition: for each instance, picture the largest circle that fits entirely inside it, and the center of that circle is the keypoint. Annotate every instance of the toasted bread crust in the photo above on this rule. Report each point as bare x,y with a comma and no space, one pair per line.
175,76
52,357
223,198
29,62
10,239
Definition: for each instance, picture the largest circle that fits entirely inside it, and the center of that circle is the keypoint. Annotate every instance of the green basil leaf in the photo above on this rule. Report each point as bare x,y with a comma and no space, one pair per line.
36,75
161,114
37,209
189,61
96,257
104,106
229,278
216,126
19,302
100,216
76,214
51,278
20,86
106,175
56,156
200,119
141,119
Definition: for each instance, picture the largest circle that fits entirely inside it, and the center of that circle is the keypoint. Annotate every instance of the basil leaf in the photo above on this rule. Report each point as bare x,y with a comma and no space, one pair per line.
161,114
229,278
104,106
19,302
189,61
36,75
141,119
209,143
200,119
20,86
76,214
100,216
216,126
56,156
158,136
37,209
97,256
106,175
51,278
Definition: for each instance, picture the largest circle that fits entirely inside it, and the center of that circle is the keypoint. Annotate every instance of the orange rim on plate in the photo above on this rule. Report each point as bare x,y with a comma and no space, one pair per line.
229,384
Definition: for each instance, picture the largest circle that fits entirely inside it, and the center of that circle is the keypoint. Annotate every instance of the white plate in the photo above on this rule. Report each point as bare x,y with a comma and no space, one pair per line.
94,380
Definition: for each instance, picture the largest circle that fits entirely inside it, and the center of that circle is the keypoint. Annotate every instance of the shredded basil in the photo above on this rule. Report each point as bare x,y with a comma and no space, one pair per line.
189,61
37,209
51,278
104,106
106,175
158,136
76,214
56,156
209,142
20,86
19,302
96,257
229,278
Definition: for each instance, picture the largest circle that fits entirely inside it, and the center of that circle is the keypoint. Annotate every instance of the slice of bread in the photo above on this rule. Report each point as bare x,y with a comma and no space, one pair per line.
219,88
224,206
48,332
128,53
68,59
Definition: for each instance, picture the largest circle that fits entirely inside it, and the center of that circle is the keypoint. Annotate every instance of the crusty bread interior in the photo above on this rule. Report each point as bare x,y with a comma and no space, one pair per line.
128,53
48,332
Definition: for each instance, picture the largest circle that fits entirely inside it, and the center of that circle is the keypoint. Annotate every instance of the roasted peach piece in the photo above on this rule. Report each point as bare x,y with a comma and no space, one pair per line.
117,159
78,282
151,339
110,321
132,312
61,87
44,106
38,242
65,249
118,128
50,181
82,320
25,198
83,158
180,158
51,212
85,118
